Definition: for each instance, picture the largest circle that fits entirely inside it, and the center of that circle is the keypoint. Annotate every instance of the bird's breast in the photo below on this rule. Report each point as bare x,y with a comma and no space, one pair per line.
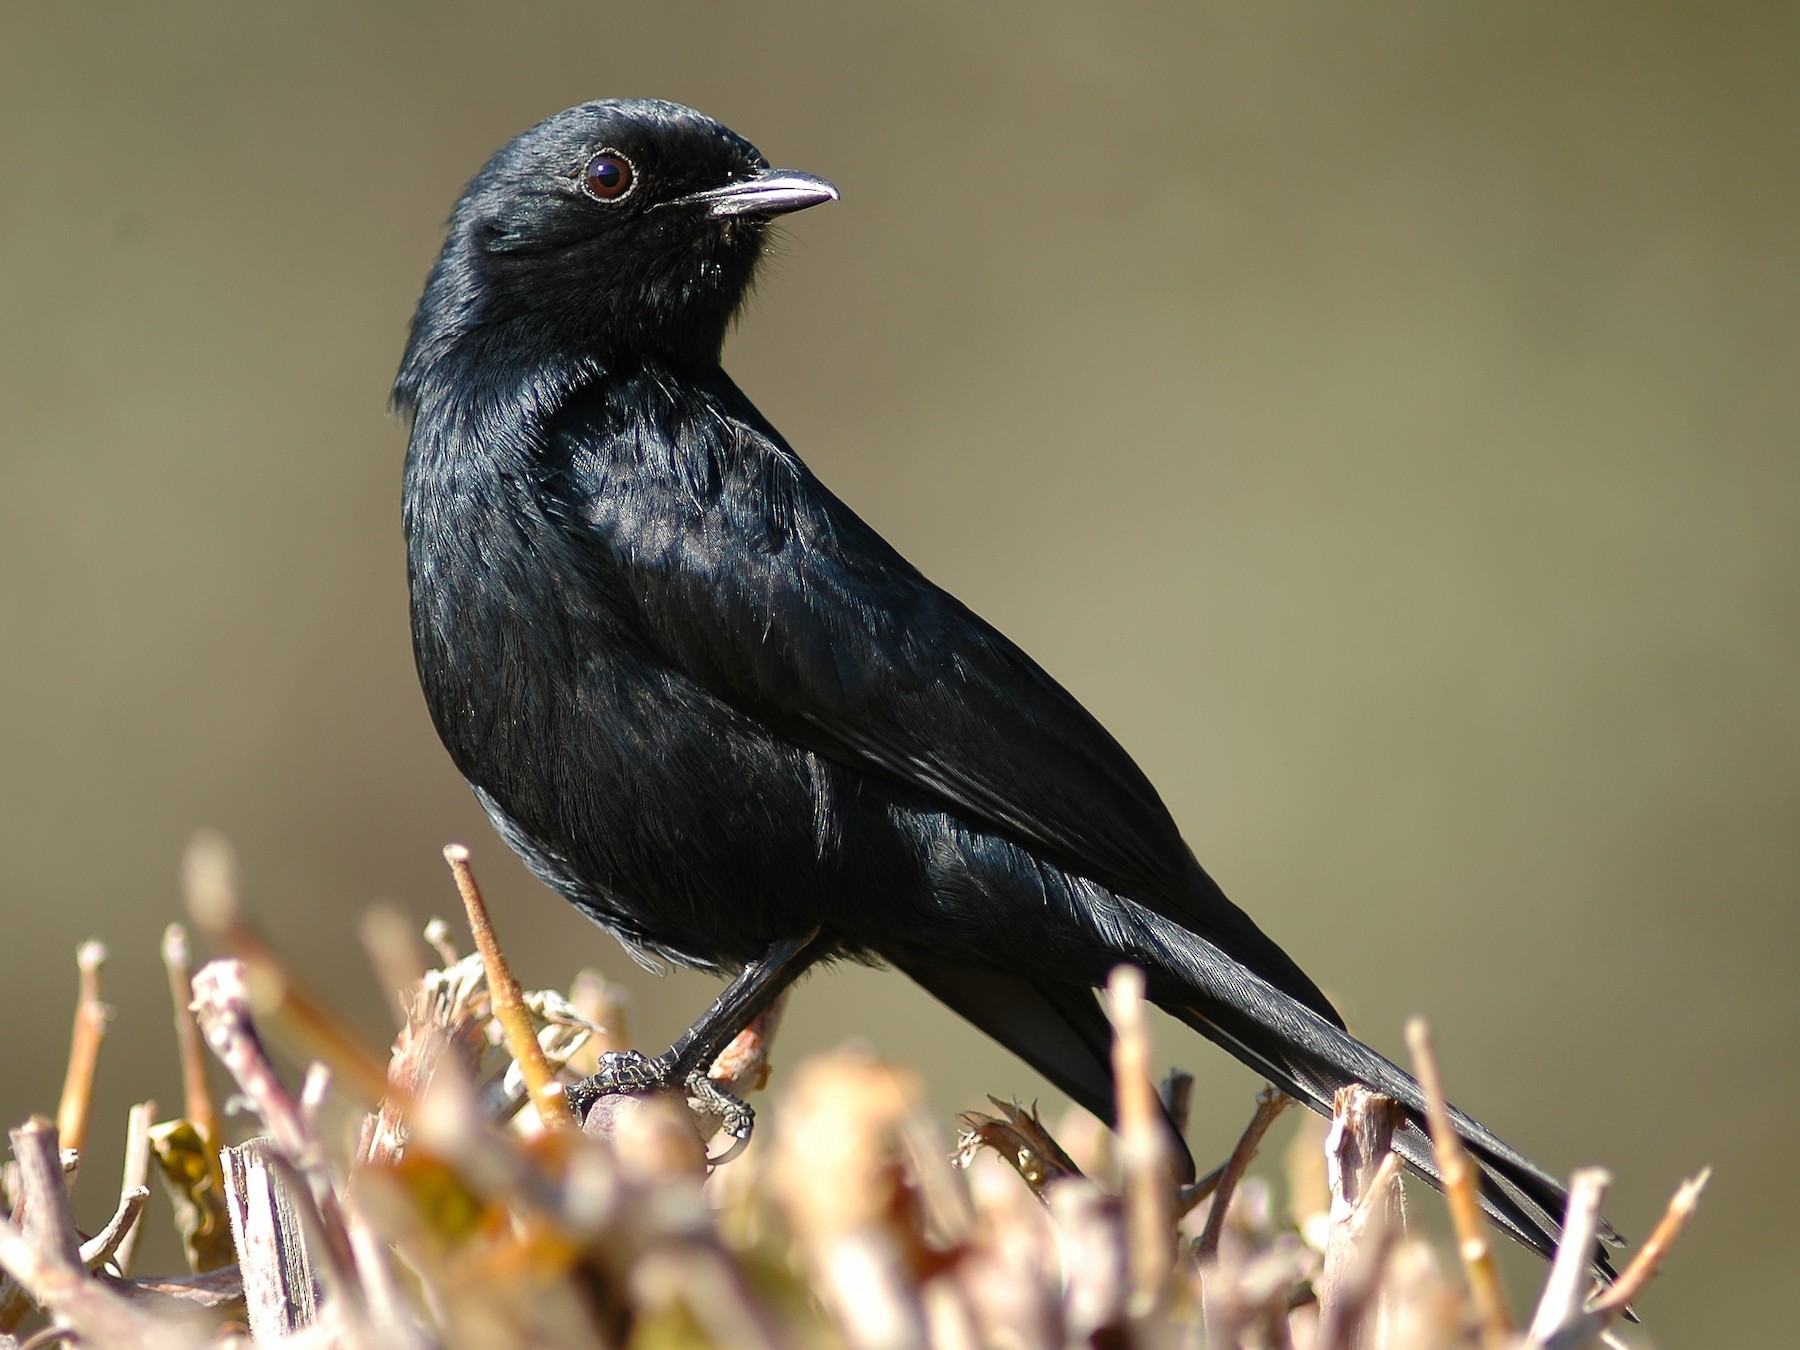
672,817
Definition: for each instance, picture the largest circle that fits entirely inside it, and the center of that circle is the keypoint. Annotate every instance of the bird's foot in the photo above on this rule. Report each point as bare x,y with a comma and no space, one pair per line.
736,1117
619,1071
631,1071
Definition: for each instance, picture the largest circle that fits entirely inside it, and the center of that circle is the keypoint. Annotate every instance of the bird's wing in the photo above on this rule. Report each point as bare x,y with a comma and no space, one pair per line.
748,576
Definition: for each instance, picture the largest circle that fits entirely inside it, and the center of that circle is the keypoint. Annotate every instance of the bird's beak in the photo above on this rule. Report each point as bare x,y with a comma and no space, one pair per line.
773,192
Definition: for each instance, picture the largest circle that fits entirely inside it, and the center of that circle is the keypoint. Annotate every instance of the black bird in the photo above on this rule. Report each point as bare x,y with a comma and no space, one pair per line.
722,716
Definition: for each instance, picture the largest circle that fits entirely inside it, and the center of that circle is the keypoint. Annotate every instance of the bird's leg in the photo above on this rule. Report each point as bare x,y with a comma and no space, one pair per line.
686,1062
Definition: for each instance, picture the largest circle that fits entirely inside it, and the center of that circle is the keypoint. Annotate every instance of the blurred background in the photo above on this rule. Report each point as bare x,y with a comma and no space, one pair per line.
1384,420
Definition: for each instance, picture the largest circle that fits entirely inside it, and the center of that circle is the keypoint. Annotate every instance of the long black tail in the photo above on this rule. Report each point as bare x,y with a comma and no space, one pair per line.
1310,1058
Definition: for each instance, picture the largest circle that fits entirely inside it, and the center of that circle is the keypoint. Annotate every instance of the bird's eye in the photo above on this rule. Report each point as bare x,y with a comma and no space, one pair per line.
608,176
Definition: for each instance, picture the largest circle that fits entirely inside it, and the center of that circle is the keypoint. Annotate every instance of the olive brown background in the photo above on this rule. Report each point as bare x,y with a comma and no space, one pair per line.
1382,417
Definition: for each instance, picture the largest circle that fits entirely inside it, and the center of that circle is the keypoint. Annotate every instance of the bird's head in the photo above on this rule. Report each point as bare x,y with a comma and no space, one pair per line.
623,226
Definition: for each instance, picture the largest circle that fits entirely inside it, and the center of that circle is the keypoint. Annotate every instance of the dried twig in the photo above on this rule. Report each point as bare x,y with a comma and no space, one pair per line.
1563,1303
1649,1257
314,1088
1458,1176
515,1237
743,1066
1354,1289
99,1249
834,1174
393,949
209,876
1145,1154
509,1001
88,1305
208,1291
43,1205
1270,1103
1096,1285
91,1017
196,1098
136,1177
281,1287
222,1004
1363,1176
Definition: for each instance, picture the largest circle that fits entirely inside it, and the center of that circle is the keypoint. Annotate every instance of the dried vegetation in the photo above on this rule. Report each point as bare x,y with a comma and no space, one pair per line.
445,1196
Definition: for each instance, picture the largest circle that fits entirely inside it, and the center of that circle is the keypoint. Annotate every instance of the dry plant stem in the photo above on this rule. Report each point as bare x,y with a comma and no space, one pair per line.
387,1309
1345,1308
88,1305
221,1288
508,1001
99,1249
222,1004
1458,1176
44,1338
1270,1103
399,961
1190,1197
196,1098
445,1121
210,886
437,933
48,1220
1635,1276
136,1176
91,1016
1564,1300
1362,1174
281,1289
833,1172
743,1066
43,1208
1144,1147
313,1090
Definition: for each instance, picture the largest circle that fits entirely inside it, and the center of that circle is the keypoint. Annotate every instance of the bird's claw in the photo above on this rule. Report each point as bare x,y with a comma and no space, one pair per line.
619,1071
632,1071
736,1117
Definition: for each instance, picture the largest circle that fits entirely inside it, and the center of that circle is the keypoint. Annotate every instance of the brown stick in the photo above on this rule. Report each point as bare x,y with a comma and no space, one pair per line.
209,877
104,1245
396,954
1145,1155
1270,1103
222,1002
136,1176
87,1304
1458,1175
43,1210
48,1220
1362,1174
1636,1275
1563,1302
91,1016
281,1289
508,1001
196,1098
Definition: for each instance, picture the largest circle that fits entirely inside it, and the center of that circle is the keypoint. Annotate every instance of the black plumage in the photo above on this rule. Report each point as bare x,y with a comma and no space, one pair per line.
721,715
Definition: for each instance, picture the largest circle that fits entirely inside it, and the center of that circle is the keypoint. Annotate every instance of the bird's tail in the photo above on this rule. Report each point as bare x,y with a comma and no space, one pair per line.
1310,1058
